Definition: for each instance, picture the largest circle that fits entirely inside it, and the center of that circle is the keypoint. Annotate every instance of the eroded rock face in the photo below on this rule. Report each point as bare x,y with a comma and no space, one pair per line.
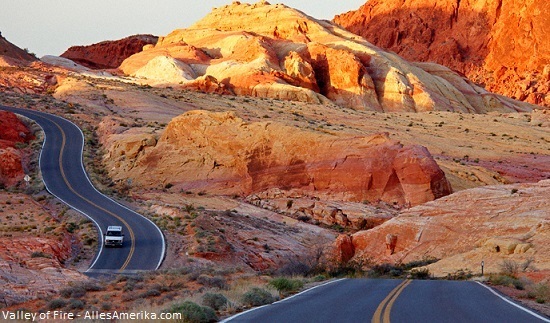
277,52
12,131
500,44
221,153
489,223
108,54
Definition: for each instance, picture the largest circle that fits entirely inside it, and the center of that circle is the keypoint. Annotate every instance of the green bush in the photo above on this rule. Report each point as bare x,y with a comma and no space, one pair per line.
193,313
505,280
73,292
284,285
75,304
423,273
257,297
57,303
215,300
216,281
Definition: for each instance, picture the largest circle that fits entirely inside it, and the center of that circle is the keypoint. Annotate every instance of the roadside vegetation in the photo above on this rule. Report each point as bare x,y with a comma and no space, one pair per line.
511,276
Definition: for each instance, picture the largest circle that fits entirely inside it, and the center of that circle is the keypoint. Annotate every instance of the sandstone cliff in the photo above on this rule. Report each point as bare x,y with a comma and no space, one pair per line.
108,54
219,152
492,223
275,51
500,44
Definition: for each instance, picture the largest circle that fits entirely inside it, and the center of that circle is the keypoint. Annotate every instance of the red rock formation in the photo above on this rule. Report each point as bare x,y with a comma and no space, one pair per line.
219,152
13,55
496,43
108,54
12,131
275,51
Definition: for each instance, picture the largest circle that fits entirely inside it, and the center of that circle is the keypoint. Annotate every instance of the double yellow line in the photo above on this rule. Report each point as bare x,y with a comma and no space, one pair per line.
382,314
131,232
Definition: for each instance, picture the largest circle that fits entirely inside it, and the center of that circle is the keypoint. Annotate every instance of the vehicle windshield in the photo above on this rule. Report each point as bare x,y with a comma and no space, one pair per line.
114,233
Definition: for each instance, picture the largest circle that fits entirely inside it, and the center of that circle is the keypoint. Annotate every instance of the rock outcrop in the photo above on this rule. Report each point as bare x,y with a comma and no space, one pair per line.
275,51
500,44
13,133
108,54
492,223
31,258
219,152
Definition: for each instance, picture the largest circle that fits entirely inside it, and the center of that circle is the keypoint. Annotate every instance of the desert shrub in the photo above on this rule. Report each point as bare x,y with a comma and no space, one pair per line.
214,300
295,268
75,304
423,273
539,292
55,304
193,313
506,280
40,254
73,292
216,281
419,263
384,269
150,293
257,297
461,274
509,267
285,285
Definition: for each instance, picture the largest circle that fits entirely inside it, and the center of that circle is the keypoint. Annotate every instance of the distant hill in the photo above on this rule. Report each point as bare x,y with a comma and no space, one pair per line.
9,51
108,54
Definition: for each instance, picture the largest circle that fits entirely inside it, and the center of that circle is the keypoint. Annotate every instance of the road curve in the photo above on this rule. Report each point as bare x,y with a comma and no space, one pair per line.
64,176
392,300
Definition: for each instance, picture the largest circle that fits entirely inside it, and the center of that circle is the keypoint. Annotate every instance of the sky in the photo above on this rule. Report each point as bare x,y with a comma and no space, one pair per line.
49,27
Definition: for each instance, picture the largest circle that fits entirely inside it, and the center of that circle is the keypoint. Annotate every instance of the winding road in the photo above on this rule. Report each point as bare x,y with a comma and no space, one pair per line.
392,300
64,176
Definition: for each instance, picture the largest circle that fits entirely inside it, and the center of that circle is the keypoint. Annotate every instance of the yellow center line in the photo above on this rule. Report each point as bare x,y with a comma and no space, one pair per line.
132,248
387,304
386,317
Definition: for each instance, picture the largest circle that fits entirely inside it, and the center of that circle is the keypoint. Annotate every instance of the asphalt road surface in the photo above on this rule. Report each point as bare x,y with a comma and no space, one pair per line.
64,175
387,300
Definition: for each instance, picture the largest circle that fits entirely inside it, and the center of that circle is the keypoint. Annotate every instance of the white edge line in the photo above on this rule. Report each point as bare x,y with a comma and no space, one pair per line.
514,304
100,242
281,301
89,181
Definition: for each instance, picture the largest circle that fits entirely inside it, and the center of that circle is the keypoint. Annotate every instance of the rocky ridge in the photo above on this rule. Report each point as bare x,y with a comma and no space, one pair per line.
499,44
11,55
277,52
108,54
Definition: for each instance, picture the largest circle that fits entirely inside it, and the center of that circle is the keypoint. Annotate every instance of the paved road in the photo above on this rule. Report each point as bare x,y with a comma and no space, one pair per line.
383,300
64,176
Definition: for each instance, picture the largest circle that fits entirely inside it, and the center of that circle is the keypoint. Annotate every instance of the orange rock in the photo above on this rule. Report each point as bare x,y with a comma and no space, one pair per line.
219,152
275,51
491,223
481,39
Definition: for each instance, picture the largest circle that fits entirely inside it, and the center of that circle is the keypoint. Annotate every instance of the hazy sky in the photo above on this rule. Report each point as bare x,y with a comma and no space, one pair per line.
49,27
